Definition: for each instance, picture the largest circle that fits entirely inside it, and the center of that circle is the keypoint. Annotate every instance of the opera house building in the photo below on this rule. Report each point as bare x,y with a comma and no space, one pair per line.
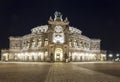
56,41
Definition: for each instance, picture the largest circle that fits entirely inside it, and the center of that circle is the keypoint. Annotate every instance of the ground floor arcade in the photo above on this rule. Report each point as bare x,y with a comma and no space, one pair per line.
57,56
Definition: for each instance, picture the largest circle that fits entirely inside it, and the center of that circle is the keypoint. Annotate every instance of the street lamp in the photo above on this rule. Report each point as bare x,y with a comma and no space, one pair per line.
110,56
117,55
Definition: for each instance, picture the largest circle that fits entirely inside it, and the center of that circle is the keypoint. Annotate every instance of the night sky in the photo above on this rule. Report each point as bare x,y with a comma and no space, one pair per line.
95,18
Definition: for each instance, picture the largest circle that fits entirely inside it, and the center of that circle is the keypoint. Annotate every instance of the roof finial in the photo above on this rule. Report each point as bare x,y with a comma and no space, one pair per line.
50,19
66,19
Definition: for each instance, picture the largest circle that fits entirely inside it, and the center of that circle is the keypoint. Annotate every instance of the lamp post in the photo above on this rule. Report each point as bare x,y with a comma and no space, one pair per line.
117,57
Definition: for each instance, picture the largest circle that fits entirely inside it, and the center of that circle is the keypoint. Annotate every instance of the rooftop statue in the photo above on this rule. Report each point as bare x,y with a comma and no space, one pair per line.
58,16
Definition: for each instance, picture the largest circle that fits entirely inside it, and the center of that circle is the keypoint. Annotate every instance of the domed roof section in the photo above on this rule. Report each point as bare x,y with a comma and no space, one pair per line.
44,28
40,29
74,30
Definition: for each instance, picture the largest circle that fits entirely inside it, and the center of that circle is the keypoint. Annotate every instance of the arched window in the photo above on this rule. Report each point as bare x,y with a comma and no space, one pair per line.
46,42
39,42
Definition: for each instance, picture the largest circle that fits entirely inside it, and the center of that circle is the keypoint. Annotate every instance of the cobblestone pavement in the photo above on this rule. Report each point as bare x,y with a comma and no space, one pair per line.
65,72
51,72
23,72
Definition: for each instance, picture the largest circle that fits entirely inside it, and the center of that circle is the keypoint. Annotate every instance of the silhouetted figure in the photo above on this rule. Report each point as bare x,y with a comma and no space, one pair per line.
51,57
66,57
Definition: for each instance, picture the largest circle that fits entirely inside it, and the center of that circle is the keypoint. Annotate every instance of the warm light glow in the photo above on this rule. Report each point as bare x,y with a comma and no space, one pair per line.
5,54
58,54
83,56
58,38
117,55
58,35
110,55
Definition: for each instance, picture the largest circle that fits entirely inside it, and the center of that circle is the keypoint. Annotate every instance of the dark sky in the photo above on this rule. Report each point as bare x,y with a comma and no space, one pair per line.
96,18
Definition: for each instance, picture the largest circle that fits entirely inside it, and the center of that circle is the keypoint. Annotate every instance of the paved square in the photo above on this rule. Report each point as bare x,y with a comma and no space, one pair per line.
59,72
23,72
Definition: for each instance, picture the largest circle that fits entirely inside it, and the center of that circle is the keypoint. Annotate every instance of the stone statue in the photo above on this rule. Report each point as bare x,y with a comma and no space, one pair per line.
58,16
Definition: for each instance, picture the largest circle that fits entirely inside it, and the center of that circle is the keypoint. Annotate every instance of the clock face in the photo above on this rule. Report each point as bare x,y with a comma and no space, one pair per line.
58,29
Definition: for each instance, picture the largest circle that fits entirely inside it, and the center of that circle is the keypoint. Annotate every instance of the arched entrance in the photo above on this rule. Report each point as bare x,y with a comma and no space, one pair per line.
58,54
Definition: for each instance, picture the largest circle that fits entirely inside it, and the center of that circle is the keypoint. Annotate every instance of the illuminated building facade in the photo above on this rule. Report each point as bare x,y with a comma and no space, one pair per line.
56,41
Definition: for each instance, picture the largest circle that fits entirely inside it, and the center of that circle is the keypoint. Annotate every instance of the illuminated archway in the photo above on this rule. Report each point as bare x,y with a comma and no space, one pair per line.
58,54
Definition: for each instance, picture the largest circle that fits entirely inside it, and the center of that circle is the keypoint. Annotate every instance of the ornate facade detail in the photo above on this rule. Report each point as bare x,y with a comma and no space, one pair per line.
56,41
